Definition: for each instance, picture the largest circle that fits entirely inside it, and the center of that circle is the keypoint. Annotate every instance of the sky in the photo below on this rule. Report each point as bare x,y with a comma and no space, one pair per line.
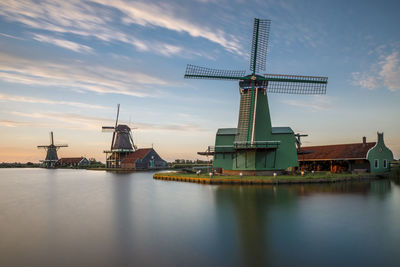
65,65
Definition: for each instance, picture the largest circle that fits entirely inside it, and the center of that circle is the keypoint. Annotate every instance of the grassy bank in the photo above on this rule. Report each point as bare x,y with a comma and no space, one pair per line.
321,175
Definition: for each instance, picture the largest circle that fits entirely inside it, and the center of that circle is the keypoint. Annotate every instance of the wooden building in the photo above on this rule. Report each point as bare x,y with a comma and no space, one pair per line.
143,159
72,162
366,156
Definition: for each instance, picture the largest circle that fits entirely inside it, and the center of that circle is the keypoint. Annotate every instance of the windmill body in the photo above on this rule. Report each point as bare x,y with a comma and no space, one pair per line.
51,152
121,145
255,145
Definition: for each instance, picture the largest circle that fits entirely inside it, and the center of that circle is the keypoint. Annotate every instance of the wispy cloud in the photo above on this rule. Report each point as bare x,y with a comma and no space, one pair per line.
384,73
65,120
96,18
364,80
164,15
35,100
390,71
10,36
63,43
13,124
82,122
76,76
316,103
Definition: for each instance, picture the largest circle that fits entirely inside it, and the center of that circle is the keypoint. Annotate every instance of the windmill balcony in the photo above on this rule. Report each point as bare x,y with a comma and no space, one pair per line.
119,150
223,148
256,145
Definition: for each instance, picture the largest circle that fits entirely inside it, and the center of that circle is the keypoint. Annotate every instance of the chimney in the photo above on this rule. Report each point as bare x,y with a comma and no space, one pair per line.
364,140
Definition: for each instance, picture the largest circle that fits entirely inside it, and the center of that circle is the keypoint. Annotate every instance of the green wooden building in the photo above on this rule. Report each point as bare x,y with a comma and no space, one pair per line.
380,156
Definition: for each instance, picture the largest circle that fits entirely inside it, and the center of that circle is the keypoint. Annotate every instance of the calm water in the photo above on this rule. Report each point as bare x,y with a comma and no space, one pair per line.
95,218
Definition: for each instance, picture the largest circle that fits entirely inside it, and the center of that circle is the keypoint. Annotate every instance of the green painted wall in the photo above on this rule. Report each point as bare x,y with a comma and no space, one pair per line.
378,154
287,153
263,128
282,158
223,157
266,160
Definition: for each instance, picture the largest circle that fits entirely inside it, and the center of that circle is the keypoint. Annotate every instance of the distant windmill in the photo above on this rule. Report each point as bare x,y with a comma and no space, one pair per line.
255,144
51,156
121,143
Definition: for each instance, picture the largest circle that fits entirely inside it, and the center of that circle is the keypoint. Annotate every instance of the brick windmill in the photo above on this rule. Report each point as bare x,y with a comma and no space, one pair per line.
51,155
255,145
121,144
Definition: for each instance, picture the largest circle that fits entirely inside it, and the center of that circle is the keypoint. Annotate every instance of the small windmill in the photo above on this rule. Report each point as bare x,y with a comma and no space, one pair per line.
51,155
255,137
121,143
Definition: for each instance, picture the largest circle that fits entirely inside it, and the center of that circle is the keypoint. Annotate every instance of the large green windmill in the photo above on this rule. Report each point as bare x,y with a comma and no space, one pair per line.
255,145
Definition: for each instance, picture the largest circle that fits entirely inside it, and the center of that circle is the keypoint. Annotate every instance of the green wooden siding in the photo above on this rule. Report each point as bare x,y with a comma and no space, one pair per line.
378,155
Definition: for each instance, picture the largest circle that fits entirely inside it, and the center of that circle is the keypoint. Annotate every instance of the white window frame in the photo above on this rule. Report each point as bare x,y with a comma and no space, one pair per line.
376,163
385,165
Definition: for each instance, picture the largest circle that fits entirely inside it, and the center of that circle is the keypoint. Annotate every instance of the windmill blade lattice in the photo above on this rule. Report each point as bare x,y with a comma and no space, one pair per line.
197,72
294,84
259,45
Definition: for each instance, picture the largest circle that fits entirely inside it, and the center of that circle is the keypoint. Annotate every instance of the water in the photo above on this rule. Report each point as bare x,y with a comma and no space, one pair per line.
95,218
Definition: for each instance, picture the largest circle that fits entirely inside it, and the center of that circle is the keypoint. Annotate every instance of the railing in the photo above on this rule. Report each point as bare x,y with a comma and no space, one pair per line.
256,144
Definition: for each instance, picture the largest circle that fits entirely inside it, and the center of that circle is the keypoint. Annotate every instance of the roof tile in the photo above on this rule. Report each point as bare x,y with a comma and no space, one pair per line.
140,153
342,151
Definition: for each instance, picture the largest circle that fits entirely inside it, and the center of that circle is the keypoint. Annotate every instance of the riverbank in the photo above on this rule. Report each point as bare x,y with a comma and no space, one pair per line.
282,179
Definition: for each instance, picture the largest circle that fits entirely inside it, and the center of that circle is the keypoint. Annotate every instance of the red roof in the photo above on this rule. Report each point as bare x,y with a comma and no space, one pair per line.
138,154
69,160
332,152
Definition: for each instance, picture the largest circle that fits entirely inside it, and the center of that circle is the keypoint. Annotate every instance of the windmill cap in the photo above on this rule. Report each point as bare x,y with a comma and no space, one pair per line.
123,128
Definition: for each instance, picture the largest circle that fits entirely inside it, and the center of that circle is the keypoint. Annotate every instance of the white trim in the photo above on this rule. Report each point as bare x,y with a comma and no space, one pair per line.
385,163
372,148
254,116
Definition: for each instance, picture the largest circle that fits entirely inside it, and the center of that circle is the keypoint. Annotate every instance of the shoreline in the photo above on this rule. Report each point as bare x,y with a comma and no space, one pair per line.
266,180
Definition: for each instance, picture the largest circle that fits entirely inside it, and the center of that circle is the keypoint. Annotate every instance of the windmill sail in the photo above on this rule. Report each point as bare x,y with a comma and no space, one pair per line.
196,72
259,45
294,84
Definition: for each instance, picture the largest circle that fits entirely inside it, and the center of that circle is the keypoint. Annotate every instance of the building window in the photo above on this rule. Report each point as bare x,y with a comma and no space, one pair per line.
385,163
376,164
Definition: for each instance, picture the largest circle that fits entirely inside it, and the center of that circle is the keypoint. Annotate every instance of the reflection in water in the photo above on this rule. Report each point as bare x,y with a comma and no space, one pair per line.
122,207
251,205
84,218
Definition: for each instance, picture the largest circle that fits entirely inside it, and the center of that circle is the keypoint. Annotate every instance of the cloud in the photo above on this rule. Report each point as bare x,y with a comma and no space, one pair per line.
82,122
76,76
181,127
63,43
390,72
65,120
10,36
364,80
316,103
385,73
34,100
163,15
96,18
13,124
